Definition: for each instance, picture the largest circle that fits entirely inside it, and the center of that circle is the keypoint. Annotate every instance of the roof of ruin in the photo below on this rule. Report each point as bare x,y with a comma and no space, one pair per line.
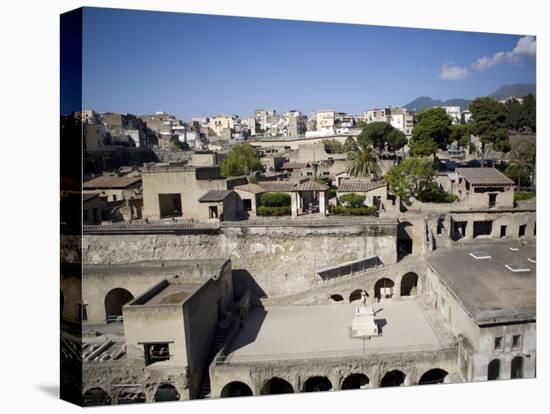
250,188
484,176
215,196
354,185
111,181
487,290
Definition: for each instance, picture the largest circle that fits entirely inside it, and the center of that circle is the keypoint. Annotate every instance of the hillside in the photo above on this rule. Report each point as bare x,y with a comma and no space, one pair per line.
517,89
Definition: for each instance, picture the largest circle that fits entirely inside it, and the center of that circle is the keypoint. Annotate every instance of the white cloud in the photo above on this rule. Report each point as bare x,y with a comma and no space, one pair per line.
449,72
525,48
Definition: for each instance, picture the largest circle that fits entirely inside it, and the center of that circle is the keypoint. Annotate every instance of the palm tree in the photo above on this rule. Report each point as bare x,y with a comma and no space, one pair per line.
522,161
363,161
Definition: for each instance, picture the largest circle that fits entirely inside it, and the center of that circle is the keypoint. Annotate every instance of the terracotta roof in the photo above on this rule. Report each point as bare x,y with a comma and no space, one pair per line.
250,188
484,176
111,181
290,186
215,196
359,185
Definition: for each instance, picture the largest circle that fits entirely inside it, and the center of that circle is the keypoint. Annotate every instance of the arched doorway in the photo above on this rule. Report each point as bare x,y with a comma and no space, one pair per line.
336,298
409,284
355,382
315,384
394,378
95,396
236,389
166,392
277,386
433,376
114,301
355,296
131,395
517,368
383,289
493,370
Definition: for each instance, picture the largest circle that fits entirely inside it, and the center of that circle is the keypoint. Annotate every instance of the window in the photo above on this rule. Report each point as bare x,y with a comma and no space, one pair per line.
213,212
516,341
502,231
156,352
498,343
247,204
492,200
114,197
522,230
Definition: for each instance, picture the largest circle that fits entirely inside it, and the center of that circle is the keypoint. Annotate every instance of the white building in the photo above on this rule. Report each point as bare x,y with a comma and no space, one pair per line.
454,112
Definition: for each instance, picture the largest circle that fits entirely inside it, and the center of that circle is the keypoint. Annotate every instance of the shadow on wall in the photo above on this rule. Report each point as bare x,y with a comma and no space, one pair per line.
243,280
250,328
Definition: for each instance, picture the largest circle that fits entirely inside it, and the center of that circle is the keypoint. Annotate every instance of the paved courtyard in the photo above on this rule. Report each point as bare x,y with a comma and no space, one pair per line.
294,332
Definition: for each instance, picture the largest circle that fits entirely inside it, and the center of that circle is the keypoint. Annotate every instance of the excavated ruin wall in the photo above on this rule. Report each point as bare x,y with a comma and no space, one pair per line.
271,260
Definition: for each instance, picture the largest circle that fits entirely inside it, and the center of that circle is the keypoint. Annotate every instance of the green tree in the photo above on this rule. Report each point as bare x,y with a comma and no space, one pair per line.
349,144
522,162
489,123
530,112
412,178
515,115
422,147
375,134
243,159
432,124
396,140
333,146
363,161
461,134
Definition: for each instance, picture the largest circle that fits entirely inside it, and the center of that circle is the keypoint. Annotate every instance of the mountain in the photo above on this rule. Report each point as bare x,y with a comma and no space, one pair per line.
427,102
516,89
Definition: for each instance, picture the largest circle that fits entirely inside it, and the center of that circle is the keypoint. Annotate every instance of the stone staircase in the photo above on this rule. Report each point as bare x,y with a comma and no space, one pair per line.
220,339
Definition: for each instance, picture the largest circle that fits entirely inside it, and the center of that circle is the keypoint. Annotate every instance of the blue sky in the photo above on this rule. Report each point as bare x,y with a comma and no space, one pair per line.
197,65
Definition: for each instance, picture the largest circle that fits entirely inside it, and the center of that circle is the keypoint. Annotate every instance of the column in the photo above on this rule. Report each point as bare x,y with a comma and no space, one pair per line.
322,203
294,204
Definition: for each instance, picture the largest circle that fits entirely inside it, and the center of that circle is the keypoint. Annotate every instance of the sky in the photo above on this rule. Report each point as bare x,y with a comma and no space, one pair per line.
193,65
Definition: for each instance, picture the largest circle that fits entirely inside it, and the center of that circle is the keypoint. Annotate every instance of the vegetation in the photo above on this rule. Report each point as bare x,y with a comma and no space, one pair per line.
522,163
275,200
243,159
353,200
353,211
524,195
413,178
333,146
396,140
375,134
273,211
489,123
363,160
431,132
461,134
519,116
349,144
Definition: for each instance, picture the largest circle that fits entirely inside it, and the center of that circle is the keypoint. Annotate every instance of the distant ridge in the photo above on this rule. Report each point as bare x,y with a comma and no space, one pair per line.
516,89
506,91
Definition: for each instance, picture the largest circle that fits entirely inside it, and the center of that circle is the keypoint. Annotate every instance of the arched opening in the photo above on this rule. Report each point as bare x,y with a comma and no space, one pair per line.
355,296
131,395
383,289
166,392
409,284
95,396
236,389
355,382
517,368
114,301
433,376
336,298
277,386
493,370
404,239
394,378
315,384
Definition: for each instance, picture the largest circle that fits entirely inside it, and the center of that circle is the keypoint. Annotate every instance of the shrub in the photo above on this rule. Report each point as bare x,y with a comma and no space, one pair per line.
353,200
524,195
275,200
353,211
273,211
